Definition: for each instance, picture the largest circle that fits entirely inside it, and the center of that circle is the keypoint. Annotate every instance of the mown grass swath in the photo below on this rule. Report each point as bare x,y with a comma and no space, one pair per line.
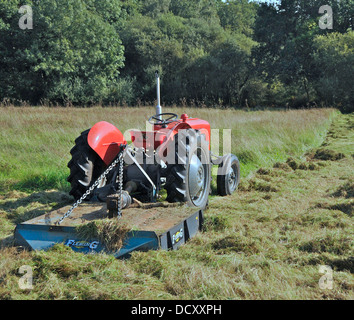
266,241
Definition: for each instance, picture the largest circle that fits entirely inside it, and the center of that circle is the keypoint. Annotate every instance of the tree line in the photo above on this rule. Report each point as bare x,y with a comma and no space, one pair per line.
235,53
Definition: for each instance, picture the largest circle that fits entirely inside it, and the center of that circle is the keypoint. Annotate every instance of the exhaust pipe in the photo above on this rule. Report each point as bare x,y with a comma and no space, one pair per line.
158,107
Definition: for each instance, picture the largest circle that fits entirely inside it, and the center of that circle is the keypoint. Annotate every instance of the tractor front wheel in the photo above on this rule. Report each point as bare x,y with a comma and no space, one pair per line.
228,175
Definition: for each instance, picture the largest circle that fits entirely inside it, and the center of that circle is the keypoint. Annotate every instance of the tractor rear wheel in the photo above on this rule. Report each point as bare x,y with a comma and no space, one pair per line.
85,166
188,180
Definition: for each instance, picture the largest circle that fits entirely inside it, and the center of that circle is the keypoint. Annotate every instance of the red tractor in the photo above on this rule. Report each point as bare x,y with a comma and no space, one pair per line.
174,155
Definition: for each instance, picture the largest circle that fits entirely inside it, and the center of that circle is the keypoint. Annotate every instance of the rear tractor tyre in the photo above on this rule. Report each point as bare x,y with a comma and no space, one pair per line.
85,167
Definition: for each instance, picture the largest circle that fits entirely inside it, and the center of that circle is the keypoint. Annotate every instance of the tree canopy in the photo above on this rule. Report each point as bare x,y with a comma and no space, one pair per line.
232,53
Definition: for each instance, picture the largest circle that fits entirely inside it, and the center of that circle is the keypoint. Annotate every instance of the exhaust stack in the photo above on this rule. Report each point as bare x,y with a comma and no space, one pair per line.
158,107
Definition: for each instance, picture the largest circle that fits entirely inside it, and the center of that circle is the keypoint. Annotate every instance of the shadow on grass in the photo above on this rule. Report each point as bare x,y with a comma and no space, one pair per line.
21,207
345,264
7,242
345,191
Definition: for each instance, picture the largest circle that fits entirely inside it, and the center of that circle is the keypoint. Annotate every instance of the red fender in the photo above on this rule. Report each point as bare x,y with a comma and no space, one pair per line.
105,139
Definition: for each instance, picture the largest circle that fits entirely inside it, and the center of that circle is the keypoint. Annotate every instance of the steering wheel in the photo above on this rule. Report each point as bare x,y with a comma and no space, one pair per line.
170,117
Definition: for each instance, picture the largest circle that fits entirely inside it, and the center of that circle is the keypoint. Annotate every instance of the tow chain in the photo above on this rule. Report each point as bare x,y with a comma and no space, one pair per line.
119,160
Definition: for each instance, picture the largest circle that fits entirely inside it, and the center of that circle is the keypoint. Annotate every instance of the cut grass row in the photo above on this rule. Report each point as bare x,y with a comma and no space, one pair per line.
266,241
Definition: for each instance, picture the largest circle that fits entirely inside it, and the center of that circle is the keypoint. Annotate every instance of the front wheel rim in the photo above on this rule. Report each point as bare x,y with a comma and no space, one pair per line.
232,178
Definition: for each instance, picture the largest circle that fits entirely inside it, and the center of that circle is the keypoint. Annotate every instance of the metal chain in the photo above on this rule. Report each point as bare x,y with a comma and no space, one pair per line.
120,189
96,184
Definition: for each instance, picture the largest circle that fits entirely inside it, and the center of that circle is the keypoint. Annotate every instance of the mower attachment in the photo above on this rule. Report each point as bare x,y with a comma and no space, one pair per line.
42,237
152,229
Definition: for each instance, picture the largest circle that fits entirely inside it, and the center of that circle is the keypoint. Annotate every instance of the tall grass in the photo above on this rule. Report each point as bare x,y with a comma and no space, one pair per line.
35,141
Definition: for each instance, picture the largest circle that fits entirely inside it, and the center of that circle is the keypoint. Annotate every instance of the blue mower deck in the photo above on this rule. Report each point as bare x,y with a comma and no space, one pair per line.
150,229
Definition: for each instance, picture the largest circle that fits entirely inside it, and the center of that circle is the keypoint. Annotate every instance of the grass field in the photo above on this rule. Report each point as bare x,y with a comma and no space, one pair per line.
38,140
292,213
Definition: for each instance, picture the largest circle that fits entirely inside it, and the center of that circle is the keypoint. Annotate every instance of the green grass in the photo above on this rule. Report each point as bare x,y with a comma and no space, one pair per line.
35,141
292,213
